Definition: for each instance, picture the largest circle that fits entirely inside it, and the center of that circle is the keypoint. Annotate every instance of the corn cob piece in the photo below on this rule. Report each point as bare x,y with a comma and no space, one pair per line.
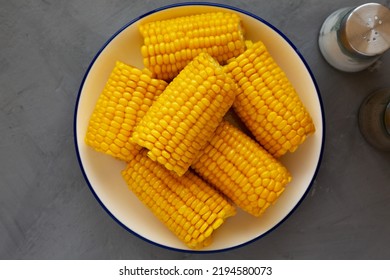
127,95
169,45
184,117
267,102
241,169
188,206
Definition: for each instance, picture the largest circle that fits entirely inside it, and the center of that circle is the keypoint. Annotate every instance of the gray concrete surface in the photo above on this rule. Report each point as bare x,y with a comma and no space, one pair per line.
46,208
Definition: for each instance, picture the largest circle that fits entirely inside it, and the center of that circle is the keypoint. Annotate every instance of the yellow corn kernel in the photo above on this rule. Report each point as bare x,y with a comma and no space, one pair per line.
169,45
179,202
241,169
177,141
115,115
269,105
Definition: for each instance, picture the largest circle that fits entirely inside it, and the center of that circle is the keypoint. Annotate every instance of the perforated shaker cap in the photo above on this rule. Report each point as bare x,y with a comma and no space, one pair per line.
366,29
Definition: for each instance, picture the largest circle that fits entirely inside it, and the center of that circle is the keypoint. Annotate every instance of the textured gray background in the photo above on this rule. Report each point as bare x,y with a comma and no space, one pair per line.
46,208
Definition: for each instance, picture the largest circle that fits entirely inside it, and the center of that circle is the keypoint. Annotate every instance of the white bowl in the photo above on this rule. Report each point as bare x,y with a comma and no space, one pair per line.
103,172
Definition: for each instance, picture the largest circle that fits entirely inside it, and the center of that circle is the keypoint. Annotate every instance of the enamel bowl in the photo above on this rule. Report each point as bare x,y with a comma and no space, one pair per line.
102,172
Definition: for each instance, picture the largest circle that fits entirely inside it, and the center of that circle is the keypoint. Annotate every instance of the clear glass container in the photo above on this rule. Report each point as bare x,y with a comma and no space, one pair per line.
374,119
352,39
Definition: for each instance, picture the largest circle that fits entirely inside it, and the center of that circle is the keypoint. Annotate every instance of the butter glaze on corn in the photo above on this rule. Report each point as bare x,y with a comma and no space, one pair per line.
184,117
241,169
169,45
127,95
188,206
267,102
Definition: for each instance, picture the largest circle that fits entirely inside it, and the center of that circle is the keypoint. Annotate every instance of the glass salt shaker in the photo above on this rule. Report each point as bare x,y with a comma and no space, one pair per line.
374,119
352,39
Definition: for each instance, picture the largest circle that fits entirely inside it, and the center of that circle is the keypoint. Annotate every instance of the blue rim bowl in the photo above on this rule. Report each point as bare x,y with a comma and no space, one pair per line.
102,173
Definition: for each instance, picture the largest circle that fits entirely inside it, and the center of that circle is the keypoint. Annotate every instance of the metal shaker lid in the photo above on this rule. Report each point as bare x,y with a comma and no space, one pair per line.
366,29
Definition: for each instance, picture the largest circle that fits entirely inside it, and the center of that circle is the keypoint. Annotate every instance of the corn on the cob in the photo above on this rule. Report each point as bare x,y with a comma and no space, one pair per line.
188,206
184,117
267,102
171,44
241,169
127,95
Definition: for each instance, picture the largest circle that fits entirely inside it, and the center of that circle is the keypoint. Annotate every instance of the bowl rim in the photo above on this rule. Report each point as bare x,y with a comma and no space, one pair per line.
209,4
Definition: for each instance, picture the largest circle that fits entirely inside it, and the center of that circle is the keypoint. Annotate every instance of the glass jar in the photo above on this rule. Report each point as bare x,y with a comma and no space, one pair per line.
374,119
352,39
